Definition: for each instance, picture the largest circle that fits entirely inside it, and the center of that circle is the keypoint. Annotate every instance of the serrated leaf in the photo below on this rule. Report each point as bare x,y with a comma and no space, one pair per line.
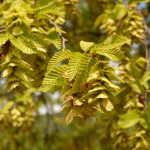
112,98
85,46
27,48
73,66
3,38
71,113
19,73
35,38
67,104
44,3
21,63
84,68
111,50
99,19
54,38
137,87
10,86
97,88
145,77
7,72
57,58
11,78
6,59
120,11
54,80
129,119
107,104
102,95
49,10
112,85
66,88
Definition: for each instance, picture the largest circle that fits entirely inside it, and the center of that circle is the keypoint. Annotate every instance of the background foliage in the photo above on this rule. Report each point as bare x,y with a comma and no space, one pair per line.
71,46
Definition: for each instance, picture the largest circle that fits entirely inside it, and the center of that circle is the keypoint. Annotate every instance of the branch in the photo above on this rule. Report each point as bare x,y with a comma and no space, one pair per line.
60,34
1,31
2,27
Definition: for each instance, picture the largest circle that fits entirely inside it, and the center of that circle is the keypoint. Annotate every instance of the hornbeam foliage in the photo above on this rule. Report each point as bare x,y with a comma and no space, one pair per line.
70,46
86,81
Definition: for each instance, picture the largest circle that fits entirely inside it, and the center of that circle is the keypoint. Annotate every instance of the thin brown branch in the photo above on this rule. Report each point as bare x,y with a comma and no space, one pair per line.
60,34
63,43
2,31
118,23
2,27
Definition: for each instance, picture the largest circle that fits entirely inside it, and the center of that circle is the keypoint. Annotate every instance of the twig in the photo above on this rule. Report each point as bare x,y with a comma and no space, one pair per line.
118,23
1,31
60,34
146,28
63,43
2,27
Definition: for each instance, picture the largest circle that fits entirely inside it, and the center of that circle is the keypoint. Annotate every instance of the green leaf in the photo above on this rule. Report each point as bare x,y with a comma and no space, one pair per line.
21,63
142,62
21,74
17,30
44,3
35,38
129,119
49,10
145,77
102,95
107,104
73,66
112,98
7,72
54,38
27,48
3,38
57,58
11,78
85,46
100,19
6,59
54,80
4,6
10,86
111,50
120,11
137,87
7,106
119,41
71,113
137,1
84,68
